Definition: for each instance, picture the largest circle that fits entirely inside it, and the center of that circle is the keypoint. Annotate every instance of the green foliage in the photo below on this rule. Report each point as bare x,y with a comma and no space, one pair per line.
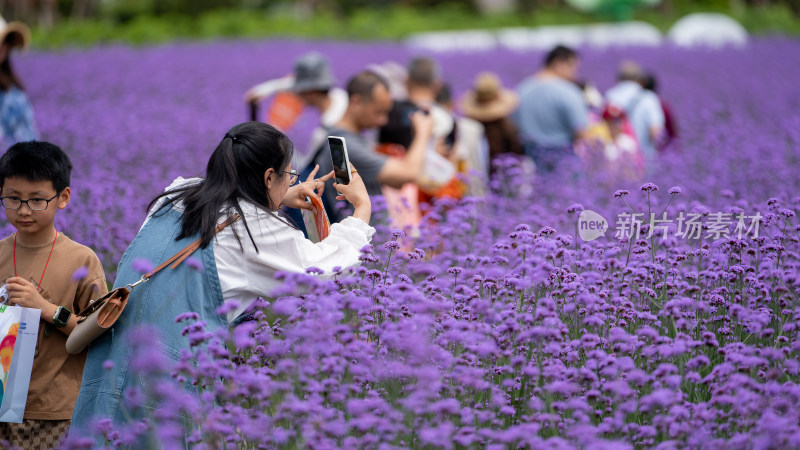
379,21
778,19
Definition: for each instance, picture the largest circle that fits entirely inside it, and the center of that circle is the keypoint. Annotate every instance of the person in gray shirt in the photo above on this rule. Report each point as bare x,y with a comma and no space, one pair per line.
552,114
368,108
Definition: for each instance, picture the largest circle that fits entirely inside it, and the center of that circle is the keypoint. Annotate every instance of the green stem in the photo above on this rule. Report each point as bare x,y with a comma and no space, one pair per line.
650,229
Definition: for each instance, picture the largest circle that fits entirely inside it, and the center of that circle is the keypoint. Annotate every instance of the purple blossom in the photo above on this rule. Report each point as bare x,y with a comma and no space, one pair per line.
80,274
142,265
195,264
455,270
621,193
242,335
575,208
187,316
538,340
227,307
649,187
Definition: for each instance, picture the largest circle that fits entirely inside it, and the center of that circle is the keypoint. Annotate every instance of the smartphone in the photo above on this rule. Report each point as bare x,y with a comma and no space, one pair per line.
341,162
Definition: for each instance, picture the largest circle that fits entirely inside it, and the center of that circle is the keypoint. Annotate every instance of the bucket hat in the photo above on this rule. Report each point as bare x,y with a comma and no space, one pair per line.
312,73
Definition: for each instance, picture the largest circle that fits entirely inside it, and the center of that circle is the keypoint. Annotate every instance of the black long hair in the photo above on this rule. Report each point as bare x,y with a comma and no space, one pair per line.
9,78
235,172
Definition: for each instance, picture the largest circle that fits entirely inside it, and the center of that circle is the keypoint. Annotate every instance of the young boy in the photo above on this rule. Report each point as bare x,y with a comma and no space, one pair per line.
44,269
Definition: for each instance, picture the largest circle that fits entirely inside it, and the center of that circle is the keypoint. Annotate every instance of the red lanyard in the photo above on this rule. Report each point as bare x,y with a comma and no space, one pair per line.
45,264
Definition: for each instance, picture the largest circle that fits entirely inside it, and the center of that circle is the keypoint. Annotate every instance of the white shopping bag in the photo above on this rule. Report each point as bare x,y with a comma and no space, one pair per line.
19,328
437,172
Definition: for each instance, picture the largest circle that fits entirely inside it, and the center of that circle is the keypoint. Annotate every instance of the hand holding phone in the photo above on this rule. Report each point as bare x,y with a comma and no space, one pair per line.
355,192
340,160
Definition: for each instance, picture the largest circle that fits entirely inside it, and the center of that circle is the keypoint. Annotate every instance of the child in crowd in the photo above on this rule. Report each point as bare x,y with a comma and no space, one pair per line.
44,269
625,159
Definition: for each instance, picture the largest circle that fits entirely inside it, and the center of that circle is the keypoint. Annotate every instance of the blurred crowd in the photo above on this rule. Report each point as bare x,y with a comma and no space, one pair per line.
413,142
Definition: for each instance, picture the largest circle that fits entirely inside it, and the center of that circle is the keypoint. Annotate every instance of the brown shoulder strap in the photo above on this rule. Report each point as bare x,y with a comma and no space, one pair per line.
189,249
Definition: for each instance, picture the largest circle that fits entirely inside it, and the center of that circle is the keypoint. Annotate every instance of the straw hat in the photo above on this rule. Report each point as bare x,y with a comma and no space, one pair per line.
17,33
488,100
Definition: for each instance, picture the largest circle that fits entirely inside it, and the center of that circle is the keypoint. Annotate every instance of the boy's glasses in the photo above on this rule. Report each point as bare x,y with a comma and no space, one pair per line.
34,204
293,176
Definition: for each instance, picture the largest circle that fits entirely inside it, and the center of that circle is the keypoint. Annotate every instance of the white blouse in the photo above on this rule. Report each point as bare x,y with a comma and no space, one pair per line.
245,275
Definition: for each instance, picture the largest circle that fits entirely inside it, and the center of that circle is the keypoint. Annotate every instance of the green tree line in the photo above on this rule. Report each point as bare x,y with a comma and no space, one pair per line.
48,13
59,23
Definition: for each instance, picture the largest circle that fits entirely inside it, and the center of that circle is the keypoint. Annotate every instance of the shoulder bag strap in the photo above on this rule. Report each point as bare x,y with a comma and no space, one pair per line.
179,257
175,261
189,249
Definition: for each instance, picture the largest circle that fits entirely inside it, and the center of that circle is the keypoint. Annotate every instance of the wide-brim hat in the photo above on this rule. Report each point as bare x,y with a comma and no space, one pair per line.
488,100
17,33
312,73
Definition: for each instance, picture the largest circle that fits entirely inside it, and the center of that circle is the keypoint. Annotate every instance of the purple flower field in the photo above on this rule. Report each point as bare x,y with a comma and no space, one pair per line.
498,327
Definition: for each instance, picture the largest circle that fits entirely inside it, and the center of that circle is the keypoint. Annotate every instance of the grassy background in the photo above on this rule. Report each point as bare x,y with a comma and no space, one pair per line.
371,23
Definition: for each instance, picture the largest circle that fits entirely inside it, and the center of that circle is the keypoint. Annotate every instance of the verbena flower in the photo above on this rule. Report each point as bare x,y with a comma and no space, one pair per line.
142,265
649,187
488,333
80,274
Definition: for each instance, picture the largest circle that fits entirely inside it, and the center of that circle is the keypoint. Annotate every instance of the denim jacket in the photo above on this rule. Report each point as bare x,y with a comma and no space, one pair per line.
17,123
156,304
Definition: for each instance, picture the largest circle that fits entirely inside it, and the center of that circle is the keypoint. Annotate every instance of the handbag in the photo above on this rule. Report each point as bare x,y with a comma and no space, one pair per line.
102,313
19,330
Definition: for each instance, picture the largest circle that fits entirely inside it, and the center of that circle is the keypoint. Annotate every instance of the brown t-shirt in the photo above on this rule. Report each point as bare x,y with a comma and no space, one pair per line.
56,375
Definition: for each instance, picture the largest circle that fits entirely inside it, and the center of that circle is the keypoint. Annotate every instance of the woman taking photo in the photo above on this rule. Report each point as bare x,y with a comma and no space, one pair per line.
249,175
16,115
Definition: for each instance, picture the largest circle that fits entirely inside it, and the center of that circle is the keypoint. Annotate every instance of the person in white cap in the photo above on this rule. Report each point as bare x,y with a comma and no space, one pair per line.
16,114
